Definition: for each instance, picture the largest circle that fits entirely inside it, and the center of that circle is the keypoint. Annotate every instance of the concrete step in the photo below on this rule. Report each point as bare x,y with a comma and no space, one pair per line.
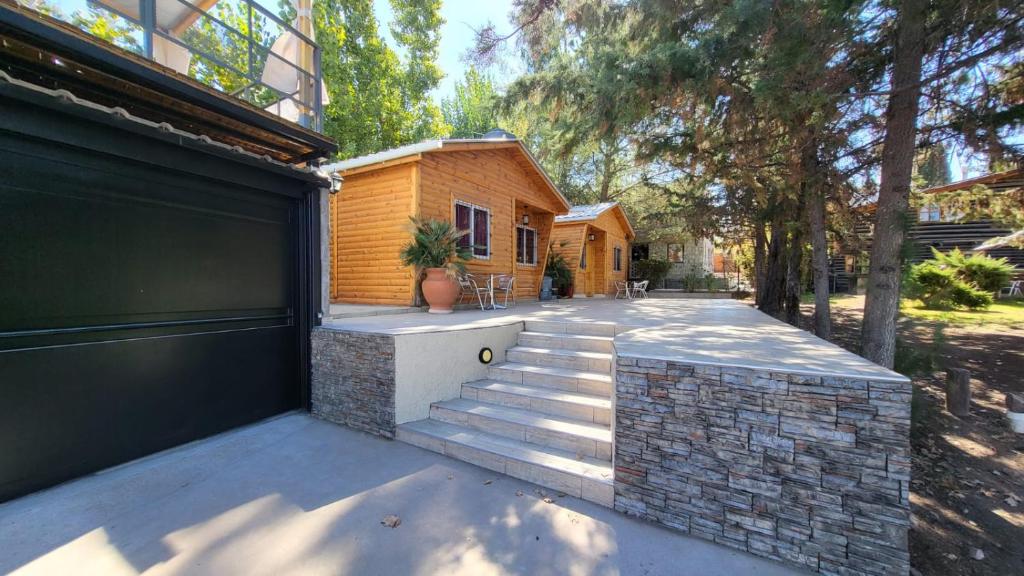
550,377
576,436
561,358
584,407
584,478
566,341
581,328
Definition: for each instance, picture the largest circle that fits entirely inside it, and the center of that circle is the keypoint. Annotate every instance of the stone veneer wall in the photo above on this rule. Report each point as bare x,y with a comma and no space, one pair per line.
353,380
809,470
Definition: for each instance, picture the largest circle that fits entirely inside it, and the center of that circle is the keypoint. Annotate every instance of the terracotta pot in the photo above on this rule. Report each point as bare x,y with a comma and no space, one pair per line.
440,291
568,291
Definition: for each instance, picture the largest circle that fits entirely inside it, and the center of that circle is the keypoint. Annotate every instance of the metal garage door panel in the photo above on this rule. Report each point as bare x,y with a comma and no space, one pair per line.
139,309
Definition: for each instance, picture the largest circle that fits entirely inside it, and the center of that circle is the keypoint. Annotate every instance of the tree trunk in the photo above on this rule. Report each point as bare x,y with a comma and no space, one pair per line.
819,262
759,258
794,260
774,285
814,192
881,306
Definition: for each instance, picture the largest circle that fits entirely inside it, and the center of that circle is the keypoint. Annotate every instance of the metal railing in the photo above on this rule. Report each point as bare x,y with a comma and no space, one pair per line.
236,46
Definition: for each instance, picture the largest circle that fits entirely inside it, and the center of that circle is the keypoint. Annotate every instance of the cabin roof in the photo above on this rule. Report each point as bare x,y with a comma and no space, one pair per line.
591,212
414,151
998,181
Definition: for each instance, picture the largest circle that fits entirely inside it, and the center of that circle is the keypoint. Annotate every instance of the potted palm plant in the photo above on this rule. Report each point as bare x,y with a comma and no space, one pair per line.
435,251
557,268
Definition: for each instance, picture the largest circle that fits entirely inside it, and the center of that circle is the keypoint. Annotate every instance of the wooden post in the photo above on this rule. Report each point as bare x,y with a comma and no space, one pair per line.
958,391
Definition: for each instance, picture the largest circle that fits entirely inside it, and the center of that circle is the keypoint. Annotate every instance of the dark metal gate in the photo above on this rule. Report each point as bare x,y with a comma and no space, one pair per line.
151,293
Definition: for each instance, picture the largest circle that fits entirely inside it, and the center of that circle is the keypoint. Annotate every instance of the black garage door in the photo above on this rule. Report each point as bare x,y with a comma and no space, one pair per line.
150,293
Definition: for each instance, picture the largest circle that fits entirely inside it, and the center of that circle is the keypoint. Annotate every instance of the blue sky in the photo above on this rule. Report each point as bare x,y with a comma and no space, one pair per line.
461,18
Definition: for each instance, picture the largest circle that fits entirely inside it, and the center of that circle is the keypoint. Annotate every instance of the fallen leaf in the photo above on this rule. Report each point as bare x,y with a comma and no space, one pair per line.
1012,501
488,482
977,554
391,521
548,500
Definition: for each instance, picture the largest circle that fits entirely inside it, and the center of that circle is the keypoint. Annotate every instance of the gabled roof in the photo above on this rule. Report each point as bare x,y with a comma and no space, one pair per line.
591,212
413,152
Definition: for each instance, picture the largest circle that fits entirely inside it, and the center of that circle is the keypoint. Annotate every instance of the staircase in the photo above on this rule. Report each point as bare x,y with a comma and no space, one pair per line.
542,416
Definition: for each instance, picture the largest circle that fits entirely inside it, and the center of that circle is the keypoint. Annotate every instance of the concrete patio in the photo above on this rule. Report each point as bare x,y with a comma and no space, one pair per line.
294,495
709,331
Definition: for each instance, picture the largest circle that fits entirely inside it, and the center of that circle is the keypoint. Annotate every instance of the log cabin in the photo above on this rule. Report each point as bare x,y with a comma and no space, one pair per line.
933,226
594,240
493,187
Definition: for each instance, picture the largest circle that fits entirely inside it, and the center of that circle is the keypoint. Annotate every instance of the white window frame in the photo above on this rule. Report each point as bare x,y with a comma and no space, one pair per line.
473,208
536,236
617,259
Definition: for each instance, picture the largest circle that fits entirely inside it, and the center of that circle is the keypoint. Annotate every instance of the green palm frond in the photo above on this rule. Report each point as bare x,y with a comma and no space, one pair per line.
435,244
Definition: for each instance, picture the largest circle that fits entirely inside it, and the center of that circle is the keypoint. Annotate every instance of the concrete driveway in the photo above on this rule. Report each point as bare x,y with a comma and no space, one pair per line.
294,495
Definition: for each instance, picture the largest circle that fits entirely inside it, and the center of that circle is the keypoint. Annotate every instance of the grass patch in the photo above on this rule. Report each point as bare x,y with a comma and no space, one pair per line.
1008,313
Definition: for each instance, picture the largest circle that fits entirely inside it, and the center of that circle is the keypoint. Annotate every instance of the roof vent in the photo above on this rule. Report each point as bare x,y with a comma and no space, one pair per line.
499,134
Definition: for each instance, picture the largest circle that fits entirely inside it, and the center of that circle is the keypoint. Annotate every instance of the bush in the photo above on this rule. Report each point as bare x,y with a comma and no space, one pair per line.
941,288
653,271
986,273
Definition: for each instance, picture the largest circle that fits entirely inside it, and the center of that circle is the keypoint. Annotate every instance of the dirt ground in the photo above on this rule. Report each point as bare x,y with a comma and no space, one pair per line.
967,487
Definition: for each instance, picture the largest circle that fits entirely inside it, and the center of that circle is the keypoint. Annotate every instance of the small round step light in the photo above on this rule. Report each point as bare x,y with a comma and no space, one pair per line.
486,355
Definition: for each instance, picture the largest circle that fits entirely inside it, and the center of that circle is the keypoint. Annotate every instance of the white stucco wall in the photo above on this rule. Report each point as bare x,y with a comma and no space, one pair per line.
432,367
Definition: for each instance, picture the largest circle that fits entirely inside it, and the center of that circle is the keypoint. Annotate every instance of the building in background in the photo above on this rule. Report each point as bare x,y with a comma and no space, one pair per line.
933,227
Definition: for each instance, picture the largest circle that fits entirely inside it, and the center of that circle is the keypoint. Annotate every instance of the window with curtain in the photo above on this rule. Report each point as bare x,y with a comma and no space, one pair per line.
617,259
583,258
526,245
477,220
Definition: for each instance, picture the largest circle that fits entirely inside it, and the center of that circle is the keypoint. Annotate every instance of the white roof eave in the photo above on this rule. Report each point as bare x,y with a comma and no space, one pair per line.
429,146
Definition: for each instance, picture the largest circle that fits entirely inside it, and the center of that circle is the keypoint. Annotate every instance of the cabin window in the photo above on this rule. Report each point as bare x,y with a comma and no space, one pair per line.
583,258
477,220
526,246
930,213
617,259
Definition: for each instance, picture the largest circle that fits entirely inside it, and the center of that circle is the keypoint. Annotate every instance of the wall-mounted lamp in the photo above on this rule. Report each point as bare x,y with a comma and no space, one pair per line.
591,237
526,219
335,183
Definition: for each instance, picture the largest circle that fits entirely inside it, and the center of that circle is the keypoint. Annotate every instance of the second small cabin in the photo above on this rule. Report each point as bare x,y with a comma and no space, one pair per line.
594,240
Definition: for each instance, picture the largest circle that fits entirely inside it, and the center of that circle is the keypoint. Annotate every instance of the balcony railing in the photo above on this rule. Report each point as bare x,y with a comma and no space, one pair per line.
260,54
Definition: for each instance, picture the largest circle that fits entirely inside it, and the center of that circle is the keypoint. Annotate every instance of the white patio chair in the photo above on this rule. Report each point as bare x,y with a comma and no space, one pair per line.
469,287
622,289
640,289
1016,288
505,284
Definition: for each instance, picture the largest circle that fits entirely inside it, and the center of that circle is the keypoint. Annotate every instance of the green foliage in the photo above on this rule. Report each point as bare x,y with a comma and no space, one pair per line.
472,111
939,287
557,268
655,271
376,101
982,203
986,273
435,244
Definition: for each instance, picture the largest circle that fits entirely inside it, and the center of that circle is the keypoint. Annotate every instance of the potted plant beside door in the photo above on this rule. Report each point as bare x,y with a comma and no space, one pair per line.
435,251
